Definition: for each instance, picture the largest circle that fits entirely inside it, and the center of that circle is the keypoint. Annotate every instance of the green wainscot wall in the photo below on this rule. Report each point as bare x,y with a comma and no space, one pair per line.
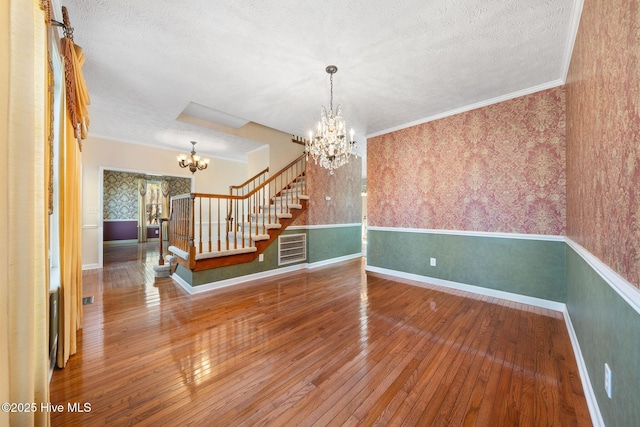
329,243
608,331
533,268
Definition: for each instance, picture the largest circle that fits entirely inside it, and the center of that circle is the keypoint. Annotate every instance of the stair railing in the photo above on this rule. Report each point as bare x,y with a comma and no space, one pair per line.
246,187
250,184
202,224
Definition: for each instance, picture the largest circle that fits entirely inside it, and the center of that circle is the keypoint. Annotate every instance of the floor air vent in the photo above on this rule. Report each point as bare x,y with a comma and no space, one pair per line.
87,300
292,248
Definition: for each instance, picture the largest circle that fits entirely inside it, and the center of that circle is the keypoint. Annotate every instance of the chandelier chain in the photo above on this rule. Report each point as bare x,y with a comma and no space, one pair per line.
331,100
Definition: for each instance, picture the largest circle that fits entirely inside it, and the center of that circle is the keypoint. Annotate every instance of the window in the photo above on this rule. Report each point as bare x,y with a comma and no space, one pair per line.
58,131
153,202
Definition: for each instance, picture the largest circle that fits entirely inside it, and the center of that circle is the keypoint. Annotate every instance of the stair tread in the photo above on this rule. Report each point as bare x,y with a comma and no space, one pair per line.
285,206
254,237
268,226
285,197
266,215
226,252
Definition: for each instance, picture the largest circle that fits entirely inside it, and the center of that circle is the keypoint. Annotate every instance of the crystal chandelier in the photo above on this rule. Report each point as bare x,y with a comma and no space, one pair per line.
193,161
330,146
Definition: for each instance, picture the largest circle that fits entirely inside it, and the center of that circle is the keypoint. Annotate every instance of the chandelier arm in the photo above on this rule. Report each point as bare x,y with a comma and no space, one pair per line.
193,162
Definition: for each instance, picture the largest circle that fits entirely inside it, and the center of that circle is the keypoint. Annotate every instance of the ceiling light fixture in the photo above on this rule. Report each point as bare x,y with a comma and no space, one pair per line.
193,161
330,146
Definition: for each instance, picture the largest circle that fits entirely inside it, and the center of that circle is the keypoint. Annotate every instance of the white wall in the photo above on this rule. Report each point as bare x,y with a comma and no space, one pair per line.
99,154
258,160
281,150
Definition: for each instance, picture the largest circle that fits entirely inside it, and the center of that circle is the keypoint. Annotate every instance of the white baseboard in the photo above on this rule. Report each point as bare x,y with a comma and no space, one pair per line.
119,242
192,290
333,260
538,302
90,266
235,280
183,284
592,402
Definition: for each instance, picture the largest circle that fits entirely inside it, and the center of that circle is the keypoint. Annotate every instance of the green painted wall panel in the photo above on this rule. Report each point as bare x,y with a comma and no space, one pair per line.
322,244
608,330
329,243
534,268
184,273
223,273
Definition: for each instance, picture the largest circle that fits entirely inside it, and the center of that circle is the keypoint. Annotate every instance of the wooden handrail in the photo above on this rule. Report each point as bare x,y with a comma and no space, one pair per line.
253,178
241,190
235,197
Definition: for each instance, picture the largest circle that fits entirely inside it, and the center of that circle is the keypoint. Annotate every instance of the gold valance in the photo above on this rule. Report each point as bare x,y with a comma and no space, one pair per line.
76,88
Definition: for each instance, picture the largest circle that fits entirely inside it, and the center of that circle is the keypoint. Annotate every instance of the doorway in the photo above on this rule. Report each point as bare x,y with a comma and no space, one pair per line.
131,203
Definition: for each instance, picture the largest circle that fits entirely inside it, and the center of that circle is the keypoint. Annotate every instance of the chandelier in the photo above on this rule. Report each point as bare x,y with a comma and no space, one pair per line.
193,161
329,146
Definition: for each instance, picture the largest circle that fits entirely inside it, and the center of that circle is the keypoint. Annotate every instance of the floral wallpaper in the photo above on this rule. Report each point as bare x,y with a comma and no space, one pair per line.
603,135
344,188
120,193
302,220
178,186
499,168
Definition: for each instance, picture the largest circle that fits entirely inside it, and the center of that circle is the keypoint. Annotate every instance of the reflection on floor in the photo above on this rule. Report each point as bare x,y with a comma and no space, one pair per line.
328,346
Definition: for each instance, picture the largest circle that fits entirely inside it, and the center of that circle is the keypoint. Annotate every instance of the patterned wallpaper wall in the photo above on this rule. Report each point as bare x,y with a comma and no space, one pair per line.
178,186
344,188
603,135
120,193
499,168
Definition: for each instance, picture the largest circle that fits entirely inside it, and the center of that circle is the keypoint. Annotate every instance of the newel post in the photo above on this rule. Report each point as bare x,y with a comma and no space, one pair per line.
192,233
162,221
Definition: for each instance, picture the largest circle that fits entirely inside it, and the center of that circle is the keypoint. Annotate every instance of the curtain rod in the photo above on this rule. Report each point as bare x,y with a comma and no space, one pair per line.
58,24
66,26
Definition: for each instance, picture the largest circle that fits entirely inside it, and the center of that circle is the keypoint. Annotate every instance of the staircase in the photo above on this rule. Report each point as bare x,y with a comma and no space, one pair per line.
215,230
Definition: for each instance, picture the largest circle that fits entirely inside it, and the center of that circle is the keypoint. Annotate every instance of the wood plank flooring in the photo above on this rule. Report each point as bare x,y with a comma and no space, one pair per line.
331,346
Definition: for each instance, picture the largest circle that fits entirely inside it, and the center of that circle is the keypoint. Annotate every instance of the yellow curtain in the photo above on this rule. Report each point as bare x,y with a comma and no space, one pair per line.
23,211
70,319
70,199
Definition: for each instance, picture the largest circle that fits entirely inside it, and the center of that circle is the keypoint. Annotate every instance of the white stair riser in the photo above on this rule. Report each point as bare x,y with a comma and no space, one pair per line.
288,199
253,227
248,236
281,208
268,218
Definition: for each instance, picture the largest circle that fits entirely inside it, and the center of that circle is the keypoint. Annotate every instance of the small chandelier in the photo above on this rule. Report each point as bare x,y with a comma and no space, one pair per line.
193,162
329,146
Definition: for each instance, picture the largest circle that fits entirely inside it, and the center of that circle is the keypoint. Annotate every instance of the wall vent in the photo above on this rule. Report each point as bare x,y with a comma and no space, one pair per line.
292,248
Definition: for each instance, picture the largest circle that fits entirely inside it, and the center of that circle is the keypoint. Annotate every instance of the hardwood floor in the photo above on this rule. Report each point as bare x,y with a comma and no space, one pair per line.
331,346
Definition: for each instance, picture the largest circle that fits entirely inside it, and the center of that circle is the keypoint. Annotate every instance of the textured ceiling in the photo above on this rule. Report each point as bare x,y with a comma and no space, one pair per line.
263,61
